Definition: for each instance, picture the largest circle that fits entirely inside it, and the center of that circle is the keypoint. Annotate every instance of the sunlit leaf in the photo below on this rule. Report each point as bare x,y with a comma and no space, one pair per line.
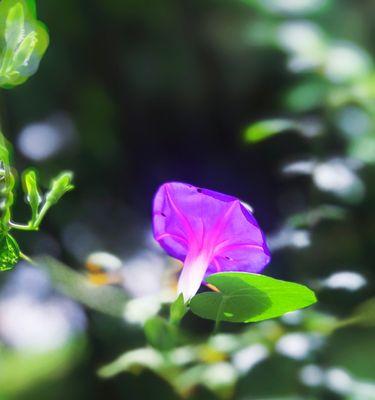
25,50
59,186
133,361
245,297
9,253
264,129
31,190
14,26
143,360
23,41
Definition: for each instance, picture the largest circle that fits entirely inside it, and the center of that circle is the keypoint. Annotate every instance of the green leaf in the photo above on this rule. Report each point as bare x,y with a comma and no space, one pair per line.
30,186
264,129
59,186
246,297
9,253
160,334
4,151
134,361
25,50
178,310
14,26
23,41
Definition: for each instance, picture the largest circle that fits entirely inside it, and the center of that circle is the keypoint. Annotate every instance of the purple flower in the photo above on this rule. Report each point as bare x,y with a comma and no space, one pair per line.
209,231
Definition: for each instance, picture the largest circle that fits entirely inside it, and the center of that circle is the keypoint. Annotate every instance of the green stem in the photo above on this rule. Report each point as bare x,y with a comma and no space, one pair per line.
41,215
216,327
217,321
32,225
27,258
21,227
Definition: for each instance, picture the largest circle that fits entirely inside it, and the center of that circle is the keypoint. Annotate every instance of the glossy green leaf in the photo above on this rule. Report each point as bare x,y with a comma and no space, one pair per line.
30,186
9,253
245,297
264,129
178,310
160,334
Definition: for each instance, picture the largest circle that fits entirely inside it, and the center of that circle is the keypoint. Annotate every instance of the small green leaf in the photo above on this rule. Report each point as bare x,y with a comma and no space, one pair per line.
25,50
264,129
178,310
246,297
160,334
30,186
9,253
59,186
23,41
14,26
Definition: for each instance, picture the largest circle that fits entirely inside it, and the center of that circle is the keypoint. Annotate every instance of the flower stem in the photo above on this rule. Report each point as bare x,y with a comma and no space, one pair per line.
27,258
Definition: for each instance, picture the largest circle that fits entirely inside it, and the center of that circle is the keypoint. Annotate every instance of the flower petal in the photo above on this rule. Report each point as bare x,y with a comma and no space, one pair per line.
192,275
220,228
184,214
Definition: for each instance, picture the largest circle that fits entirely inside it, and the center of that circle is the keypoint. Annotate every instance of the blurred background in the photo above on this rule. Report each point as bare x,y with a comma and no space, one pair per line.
272,101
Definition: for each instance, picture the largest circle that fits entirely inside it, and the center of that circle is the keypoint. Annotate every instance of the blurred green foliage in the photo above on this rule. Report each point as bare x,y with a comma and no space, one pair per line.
191,91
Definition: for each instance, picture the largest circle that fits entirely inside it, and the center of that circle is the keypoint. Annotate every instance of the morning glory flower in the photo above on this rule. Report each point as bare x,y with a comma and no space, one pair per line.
209,231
